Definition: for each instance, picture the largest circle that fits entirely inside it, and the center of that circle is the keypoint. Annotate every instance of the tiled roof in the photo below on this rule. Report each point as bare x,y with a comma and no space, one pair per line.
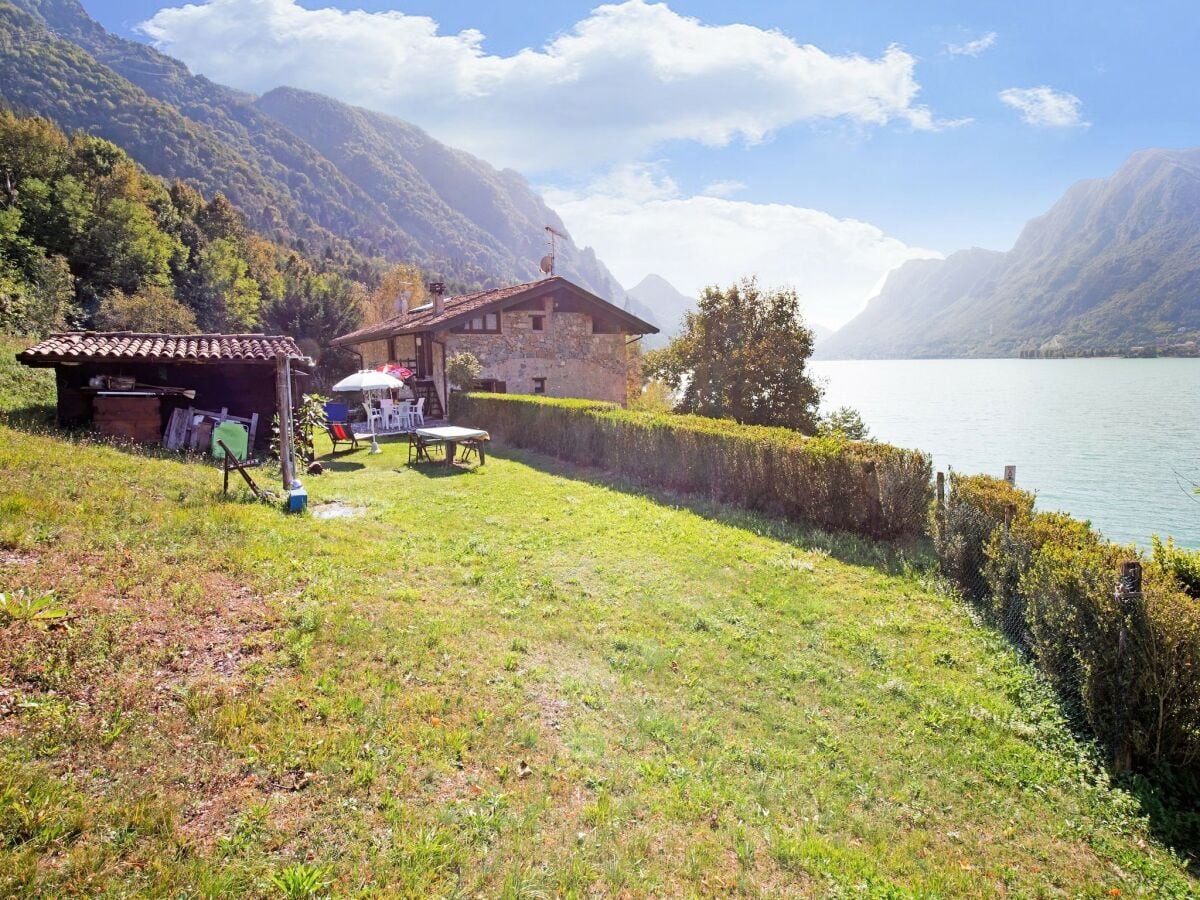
424,319
137,347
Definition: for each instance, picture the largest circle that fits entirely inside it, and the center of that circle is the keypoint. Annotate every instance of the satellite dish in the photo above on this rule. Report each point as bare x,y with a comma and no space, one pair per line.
547,264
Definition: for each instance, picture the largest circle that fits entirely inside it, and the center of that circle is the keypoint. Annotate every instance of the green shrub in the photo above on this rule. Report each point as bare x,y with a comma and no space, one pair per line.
837,484
1075,623
463,370
1009,553
1165,636
1181,564
1129,668
976,505
22,388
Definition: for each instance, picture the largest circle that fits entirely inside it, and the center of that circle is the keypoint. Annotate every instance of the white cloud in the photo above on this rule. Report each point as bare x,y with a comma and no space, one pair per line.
723,188
626,78
972,48
640,223
1045,106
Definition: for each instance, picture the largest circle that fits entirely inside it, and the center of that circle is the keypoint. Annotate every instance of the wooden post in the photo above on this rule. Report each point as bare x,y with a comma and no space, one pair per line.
285,422
940,509
1131,579
1010,474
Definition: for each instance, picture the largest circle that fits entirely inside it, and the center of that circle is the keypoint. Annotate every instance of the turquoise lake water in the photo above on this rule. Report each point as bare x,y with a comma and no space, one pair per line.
1116,441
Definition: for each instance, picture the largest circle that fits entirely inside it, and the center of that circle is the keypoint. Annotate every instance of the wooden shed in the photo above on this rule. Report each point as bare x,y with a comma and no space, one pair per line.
130,384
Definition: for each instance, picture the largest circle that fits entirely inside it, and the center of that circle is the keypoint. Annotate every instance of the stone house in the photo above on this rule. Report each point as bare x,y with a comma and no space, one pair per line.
547,337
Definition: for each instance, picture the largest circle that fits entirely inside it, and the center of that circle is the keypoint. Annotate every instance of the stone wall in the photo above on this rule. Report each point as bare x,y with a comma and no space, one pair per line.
374,353
574,362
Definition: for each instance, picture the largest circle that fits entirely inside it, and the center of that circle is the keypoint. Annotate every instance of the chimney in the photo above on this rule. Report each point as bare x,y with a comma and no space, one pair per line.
437,289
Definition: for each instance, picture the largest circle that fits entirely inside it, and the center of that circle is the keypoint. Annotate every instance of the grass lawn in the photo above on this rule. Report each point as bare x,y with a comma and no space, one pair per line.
515,680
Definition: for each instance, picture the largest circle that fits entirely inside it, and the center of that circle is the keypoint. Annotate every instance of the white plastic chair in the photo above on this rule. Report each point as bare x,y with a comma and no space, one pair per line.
418,414
373,416
404,415
387,410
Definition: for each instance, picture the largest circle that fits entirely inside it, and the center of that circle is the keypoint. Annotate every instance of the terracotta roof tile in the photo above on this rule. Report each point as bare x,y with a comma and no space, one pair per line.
137,347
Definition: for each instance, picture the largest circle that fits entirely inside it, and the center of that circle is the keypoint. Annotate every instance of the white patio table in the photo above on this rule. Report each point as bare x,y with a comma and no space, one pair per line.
452,436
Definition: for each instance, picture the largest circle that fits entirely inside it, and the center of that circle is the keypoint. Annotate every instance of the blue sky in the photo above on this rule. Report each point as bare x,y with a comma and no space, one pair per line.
793,150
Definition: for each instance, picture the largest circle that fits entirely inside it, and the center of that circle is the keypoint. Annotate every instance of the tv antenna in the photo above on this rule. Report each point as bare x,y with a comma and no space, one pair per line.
547,263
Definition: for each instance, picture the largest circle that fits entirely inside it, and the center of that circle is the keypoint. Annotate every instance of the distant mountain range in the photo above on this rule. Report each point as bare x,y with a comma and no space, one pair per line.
1113,267
657,301
302,167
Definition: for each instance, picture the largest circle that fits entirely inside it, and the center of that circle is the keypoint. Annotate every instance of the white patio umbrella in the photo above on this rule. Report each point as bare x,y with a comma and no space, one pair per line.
369,382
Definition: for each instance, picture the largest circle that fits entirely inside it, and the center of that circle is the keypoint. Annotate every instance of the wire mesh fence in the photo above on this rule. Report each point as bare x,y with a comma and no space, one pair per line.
1116,631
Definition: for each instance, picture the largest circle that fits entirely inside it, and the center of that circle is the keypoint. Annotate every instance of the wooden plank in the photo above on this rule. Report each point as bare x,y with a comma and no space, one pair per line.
170,437
202,436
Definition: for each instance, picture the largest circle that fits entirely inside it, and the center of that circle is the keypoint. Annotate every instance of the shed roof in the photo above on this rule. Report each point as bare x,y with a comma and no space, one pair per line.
131,346
457,309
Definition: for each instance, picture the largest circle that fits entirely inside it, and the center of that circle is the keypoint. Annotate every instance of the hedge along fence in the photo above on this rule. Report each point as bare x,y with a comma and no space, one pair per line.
871,489
1129,662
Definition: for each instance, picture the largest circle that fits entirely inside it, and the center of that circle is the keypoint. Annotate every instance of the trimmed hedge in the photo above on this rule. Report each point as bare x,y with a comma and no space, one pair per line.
1131,667
975,506
871,489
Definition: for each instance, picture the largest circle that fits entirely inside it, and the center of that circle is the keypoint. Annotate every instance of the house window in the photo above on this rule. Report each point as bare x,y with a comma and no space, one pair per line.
488,323
539,385
539,323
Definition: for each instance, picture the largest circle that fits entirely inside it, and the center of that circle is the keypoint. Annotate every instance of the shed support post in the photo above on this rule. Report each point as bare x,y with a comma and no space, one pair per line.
285,422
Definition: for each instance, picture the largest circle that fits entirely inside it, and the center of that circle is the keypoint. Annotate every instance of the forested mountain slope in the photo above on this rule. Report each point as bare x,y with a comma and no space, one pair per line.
385,187
89,239
483,218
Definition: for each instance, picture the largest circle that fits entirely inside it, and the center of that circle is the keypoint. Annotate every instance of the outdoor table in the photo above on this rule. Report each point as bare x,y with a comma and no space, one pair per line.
452,435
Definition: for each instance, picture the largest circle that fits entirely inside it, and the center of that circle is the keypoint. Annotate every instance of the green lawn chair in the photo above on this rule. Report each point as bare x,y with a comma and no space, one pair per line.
235,437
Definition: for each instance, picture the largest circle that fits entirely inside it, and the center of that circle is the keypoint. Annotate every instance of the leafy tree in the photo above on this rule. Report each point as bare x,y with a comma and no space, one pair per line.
846,421
29,148
654,397
224,295
151,309
315,305
57,212
220,219
463,369
37,291
49,303
87,237
263,264
124,249
16,248
742,355
402,287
